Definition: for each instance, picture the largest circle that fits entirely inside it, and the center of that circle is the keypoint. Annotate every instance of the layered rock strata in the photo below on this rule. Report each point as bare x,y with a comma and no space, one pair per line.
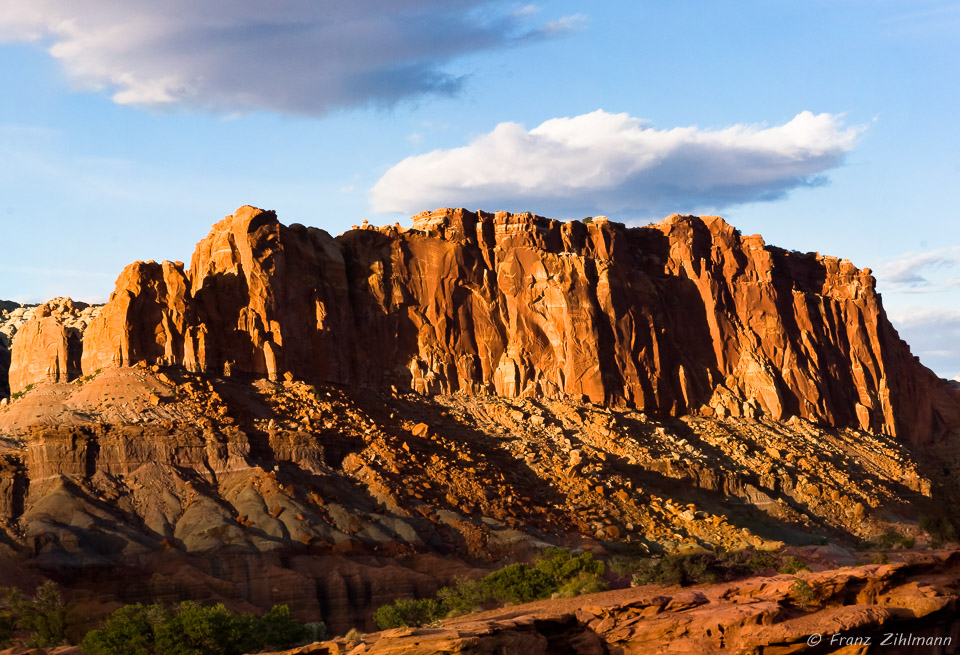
135,466
685,316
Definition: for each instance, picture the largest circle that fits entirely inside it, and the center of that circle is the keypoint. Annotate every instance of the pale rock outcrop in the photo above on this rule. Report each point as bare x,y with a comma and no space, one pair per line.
47,347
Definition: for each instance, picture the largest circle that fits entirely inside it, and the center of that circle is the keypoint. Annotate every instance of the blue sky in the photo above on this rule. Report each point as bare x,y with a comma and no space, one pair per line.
128,127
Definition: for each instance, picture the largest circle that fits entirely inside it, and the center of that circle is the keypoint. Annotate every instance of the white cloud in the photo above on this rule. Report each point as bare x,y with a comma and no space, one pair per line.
910,272
617,164
299,56
933,334
566,23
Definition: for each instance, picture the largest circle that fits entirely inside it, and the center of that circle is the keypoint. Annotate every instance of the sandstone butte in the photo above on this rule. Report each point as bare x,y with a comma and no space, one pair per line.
686,316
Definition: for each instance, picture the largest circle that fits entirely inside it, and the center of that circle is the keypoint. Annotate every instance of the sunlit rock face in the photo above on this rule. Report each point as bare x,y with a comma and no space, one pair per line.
685,316
47,346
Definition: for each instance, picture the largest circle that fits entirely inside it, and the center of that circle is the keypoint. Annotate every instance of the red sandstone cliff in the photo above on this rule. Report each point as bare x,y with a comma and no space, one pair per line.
679,317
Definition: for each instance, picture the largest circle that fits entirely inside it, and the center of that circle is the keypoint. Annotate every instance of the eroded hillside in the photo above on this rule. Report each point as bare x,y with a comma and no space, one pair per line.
139,464
334,422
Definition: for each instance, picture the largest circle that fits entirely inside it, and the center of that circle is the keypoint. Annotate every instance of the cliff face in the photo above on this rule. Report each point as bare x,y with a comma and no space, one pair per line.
681,317
47,347
494,330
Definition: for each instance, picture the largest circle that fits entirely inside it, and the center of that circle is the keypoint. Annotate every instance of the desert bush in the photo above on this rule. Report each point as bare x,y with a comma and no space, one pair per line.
193,629
749,561
880,558
11,604
406,613
704,567
939,527
625,567
517,583
889,539
677,569
315,631
37,622
278,628
803,592
555,571
45,617
892,539
582,583
758,561
130,629
17,395
560,566
792,565
464,597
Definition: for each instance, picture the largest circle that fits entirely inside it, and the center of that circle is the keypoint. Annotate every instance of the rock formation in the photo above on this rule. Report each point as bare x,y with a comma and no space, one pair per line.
686,316
48,346
901,608
144,320
474,387
12,316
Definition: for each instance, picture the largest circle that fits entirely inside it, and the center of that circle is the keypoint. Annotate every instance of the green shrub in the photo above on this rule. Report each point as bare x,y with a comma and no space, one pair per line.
45,618
11,607
20,394
803,592
892,539
701,568
39,622
278,628
880,558
129,630
193,629
758,561
749,561
555,571
315,631
792,565
889,539
405,613
560,566
584,583
677,569
464,597
517,583
625,567
939,527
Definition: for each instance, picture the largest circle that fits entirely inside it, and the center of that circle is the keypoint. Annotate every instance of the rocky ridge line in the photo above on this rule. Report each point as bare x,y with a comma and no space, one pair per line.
683,317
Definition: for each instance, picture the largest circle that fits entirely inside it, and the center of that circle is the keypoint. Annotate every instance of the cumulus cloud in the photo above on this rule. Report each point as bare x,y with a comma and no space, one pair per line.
618,164
911,272
299,56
